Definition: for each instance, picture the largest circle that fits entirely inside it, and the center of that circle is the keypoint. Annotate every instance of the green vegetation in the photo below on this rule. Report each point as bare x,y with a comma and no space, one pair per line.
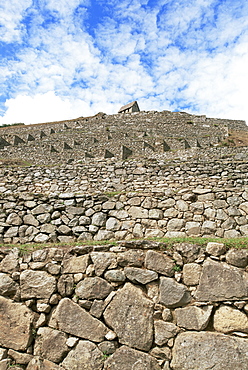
27,248
168,243
105,355
111,194
229,243
12,124
34,333
13,162
177,268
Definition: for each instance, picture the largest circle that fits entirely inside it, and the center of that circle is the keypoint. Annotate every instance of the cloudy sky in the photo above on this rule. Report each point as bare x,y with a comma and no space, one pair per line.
62,59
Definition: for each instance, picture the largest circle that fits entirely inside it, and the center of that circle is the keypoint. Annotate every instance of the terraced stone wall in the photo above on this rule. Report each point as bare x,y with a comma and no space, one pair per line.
223,167
134,305
103,136
67,217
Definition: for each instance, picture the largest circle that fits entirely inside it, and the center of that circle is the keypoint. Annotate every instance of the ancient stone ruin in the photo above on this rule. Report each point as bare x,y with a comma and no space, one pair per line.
130,303
133,305
153,135
130,108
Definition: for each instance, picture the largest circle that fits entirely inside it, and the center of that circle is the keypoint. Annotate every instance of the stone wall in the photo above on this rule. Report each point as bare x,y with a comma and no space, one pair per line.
134,305
222,167
67,217
102,136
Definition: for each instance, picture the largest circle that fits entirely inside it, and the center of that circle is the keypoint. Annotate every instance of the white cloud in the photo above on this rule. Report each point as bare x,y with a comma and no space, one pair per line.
176,55
219,84
64,7
11,14
43,108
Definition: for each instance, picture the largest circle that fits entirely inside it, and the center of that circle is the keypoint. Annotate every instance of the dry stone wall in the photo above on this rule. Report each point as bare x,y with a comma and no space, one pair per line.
67,217
225,167
103,136
133,305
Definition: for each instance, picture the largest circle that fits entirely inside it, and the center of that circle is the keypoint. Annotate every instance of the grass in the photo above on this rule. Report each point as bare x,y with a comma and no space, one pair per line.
111,194
30,247
105,355
239,243
177,268
228,242
14,162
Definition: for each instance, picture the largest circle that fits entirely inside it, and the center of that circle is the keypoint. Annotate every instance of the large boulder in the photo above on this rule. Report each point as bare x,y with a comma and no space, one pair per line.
173,294
85,356
93,288
207,350
192,317
71,318
126,358
228,319
160,263
130,314
50,344
220,281
37,284
15,325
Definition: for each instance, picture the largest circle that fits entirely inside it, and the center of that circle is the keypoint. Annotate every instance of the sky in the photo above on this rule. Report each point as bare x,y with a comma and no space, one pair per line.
63,59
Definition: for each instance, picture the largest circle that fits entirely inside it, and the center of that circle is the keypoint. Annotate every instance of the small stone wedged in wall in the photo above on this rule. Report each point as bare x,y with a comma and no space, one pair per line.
111,307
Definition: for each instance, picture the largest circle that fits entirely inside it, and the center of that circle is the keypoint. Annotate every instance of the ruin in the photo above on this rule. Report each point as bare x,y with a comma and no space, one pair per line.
145,134
130,108
111,293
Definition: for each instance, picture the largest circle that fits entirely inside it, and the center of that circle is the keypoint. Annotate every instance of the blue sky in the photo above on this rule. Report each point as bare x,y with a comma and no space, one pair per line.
62,59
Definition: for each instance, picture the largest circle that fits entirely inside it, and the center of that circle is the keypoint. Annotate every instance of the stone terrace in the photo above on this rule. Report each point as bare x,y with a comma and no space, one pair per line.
139,134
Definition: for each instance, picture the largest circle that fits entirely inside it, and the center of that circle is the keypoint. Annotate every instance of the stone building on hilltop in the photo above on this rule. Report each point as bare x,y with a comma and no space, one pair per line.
130,108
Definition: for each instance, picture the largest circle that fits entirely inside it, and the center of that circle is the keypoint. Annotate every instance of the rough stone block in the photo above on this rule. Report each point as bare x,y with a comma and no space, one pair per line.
15,323
159,262
191,273
206,350
193,318
79,322
126,358
50,344
37,284
130,314
142,276
228,319
173,294
220,282
93,288
85,355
